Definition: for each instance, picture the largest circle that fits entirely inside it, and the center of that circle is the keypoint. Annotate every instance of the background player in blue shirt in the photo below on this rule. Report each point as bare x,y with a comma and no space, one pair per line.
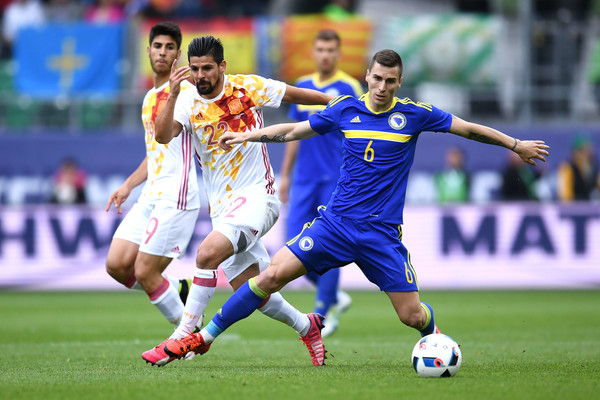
311,168
362,220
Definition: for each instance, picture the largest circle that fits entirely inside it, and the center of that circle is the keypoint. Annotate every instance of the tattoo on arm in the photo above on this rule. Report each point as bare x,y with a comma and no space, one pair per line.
484,139
276,139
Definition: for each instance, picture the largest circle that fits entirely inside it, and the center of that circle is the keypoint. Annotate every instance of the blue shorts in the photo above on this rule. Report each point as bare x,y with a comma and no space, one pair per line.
332,241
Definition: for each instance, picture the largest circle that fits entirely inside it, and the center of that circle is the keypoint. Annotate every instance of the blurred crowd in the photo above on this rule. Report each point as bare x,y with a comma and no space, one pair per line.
577,177
17,14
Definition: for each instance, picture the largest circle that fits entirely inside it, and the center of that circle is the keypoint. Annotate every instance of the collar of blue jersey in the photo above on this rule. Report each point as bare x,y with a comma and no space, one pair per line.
366,99
319,85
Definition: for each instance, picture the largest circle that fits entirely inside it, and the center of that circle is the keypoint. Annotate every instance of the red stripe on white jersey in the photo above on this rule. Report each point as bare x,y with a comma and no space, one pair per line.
259,118
198,159
183,187
269,173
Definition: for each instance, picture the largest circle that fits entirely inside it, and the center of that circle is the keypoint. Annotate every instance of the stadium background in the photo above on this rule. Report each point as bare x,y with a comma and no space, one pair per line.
530,68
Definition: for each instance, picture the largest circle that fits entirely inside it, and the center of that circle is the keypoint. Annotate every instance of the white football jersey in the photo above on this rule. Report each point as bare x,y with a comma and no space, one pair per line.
171,171
237,108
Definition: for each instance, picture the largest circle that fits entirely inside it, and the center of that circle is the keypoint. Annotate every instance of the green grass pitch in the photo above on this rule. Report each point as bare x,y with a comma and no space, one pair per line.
515,345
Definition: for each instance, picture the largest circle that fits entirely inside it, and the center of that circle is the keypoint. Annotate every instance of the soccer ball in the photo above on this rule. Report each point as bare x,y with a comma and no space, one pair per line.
436,356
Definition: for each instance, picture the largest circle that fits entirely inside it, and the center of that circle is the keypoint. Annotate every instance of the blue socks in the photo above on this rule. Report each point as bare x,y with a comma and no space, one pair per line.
240,305
327,288
429,322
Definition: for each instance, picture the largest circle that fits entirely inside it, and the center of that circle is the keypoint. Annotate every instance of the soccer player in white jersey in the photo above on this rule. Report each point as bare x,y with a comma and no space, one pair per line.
240,184
159,226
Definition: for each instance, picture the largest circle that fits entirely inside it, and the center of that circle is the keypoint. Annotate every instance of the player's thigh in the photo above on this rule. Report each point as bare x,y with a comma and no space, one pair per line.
324,244
250,272
126,240
168,231
150,265
284,268
121,258
215,249
384,259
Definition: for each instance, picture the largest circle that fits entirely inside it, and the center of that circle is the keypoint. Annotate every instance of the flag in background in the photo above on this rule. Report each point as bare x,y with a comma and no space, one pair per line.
298,36
77,59
237,36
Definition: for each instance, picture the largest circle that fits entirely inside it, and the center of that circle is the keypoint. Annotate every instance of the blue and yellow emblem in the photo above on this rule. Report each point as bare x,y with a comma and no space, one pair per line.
397,121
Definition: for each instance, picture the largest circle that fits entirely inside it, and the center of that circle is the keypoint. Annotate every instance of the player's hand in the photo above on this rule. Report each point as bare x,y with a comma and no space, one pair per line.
177,76
529,150
117,198
228,139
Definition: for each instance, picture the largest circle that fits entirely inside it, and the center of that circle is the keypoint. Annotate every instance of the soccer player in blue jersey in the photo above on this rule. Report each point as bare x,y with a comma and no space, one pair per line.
362,220
311,168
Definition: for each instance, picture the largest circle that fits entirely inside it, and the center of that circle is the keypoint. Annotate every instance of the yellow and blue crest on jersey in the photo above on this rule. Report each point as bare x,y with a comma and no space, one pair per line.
397,121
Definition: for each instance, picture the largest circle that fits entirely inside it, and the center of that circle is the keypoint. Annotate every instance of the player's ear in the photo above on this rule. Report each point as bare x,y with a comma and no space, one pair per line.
222,66
148,51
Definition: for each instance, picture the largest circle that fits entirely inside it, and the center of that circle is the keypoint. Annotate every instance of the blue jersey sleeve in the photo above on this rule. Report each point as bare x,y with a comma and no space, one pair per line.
324,121
438,121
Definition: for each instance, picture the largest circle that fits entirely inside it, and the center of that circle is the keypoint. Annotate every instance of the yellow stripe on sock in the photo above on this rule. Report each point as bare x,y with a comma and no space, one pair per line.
257,291
428,313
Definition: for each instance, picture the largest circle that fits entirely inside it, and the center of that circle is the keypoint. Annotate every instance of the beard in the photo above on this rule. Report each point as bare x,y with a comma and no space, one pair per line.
159,68
207,87
204,89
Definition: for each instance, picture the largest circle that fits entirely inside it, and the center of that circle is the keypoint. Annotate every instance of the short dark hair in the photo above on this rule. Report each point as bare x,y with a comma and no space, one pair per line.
387,58
166,28
327,35
206,46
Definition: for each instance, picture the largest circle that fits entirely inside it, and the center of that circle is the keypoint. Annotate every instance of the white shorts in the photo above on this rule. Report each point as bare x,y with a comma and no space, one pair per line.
159,229
249,215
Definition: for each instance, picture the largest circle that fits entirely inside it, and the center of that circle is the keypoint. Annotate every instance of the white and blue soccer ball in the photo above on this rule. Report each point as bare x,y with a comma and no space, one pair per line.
436,356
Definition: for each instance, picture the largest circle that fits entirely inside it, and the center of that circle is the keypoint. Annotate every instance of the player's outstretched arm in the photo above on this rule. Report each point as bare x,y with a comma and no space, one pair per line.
165,127
297,95
528,150
272,134
122,193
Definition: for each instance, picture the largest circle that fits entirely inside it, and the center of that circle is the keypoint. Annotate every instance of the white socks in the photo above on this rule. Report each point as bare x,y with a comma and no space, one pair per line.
202,290
278,308
166,299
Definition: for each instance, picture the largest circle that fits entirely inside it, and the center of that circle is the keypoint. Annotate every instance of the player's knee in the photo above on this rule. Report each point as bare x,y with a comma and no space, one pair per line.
271,279
141,274
116,269
208,258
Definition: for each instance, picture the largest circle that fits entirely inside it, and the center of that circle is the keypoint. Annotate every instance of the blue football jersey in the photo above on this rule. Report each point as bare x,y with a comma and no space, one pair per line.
319,158
378,151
